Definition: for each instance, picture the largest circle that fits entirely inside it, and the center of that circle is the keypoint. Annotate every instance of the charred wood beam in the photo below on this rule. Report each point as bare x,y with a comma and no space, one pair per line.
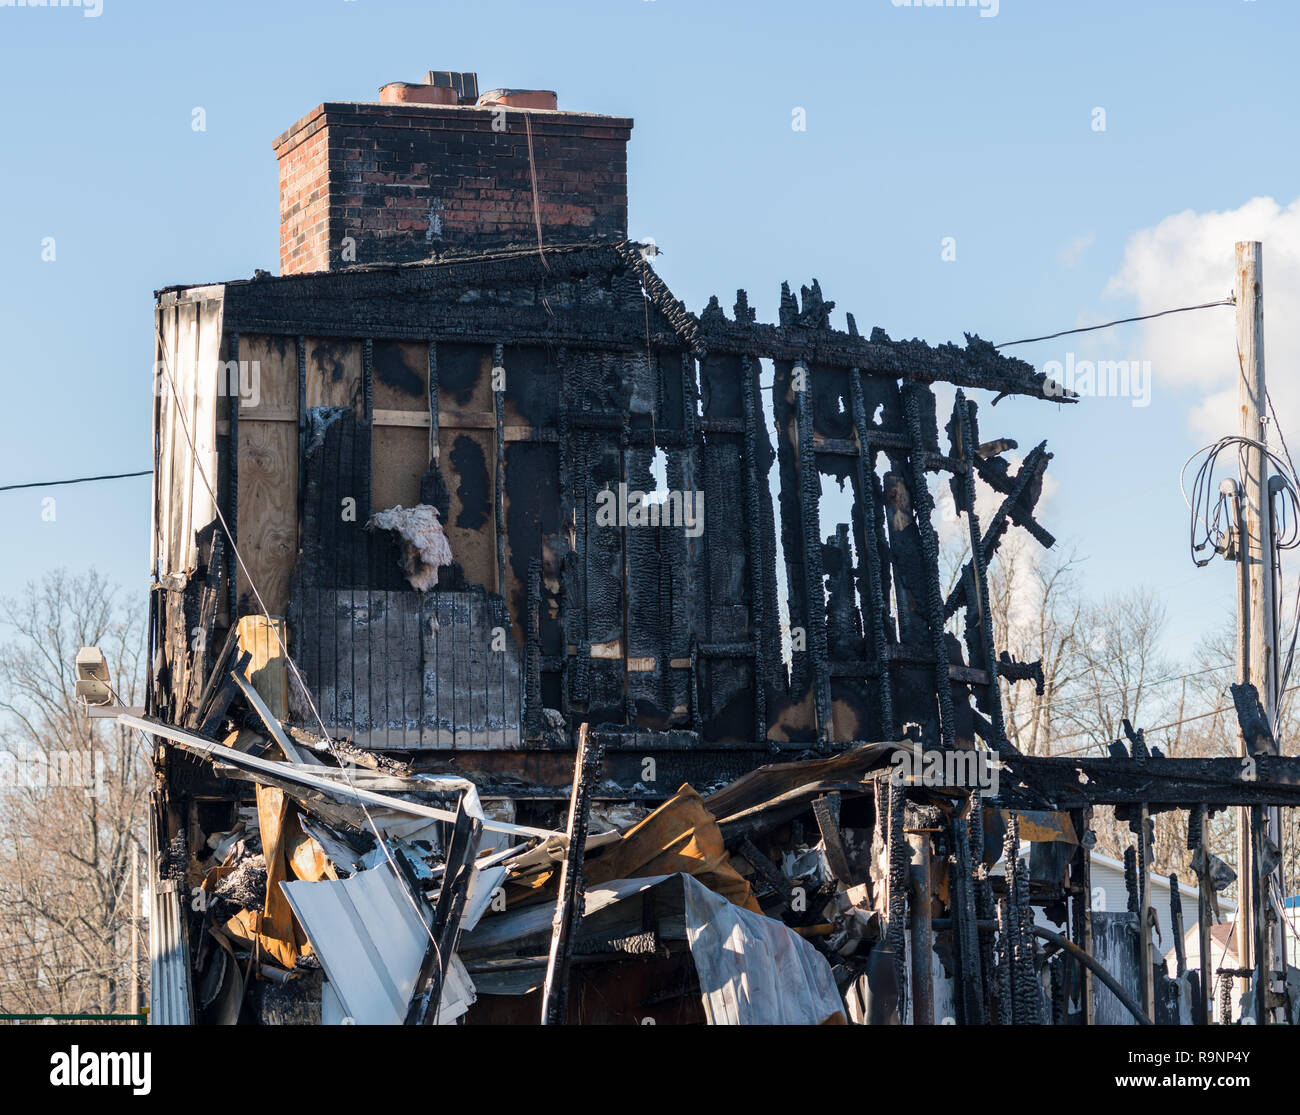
965,920
895,939
1264,963
810,533
1071,783
533,653
570,900
977,365
399,302
1197,843
979,615
1016,1009
923,505
999,481
445,931
755,555
828,826
1176,917
214,710
765,869
499,472
1142,828
1081,920
922,935
872,591
1016,508
217,677
985,912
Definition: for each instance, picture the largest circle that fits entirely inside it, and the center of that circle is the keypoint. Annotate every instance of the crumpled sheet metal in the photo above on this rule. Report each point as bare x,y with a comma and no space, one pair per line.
797,780
753,971
1039,826
370,940
680,836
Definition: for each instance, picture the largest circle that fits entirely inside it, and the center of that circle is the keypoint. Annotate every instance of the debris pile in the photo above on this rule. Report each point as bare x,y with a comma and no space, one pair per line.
348,886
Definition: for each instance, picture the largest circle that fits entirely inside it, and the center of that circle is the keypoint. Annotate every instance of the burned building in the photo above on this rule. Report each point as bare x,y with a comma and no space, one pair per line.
487,573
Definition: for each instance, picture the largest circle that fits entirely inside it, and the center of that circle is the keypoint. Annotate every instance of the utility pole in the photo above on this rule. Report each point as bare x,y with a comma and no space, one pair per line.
1256,629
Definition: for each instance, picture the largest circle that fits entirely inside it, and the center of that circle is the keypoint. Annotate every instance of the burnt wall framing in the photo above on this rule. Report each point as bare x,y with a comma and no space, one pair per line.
527,402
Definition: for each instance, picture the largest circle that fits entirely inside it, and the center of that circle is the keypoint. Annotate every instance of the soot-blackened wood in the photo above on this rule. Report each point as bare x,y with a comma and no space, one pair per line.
918,404
791,525
680,620
810,485
913,686
336,500
856,712
873,569
533,652
828,826
965,919
1017,508
1071,783
301,354
570,901
963,436
602,565
499,469
649,591
444,932
764,626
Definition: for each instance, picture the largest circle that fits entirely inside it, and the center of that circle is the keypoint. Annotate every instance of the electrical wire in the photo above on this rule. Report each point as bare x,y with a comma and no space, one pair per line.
77,480
1206,532
1285,678
1136,686
1146,731
1120,321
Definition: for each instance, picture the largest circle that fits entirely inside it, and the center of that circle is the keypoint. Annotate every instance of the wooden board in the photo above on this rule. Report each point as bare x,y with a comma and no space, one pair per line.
267,530
333,373
469,465
262,637
401,376
399,457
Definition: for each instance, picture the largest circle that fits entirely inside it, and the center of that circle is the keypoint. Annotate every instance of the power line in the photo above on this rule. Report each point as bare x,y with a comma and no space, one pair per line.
1086,697
78,480
1157,728
1121,321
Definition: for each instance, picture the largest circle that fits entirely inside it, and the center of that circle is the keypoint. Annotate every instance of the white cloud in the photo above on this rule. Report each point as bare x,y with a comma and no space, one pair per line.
1188,258
1073,251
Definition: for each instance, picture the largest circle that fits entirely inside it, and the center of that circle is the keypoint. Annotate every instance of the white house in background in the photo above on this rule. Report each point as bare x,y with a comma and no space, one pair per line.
1110,895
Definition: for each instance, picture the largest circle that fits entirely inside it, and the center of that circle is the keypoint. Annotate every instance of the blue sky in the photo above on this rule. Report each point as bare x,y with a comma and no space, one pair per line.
921,124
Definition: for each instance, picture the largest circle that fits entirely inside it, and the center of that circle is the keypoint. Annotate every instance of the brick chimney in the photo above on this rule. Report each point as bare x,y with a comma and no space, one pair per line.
434,165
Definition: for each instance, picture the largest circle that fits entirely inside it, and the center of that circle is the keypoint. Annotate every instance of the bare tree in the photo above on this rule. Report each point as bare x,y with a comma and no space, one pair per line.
1036,614
72,803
